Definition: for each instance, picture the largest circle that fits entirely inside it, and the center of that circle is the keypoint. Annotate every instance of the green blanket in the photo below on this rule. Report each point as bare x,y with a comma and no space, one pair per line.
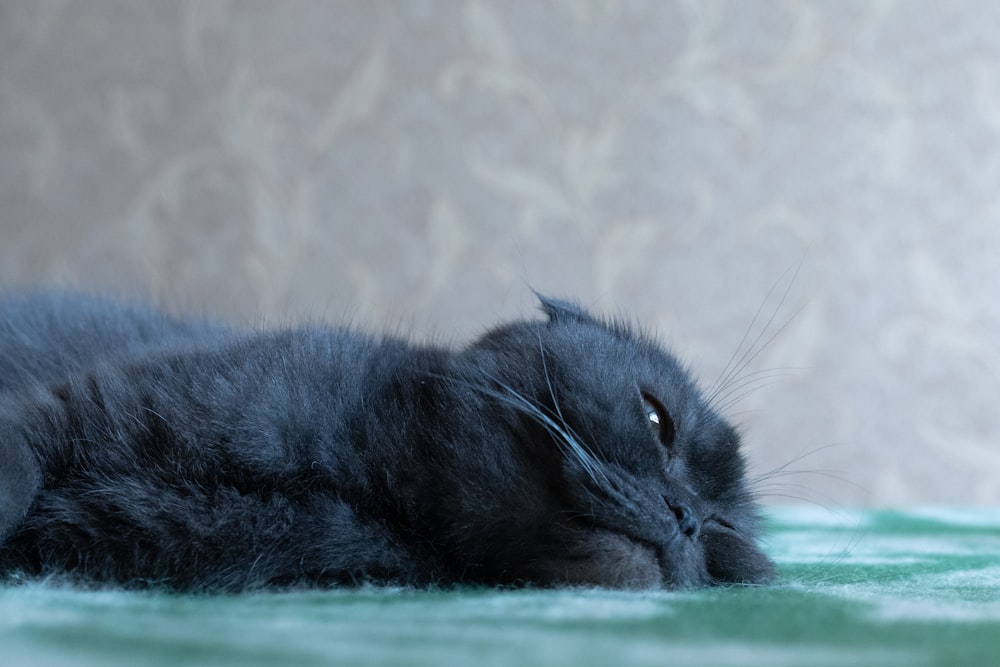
867,588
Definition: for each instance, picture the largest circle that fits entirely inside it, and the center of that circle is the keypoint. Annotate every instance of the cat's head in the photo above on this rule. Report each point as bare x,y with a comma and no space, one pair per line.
601,463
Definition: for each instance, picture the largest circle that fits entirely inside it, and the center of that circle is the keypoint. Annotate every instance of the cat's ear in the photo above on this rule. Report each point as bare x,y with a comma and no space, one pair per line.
559,310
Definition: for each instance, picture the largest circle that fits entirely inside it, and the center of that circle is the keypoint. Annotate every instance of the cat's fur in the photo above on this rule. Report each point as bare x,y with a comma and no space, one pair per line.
139,449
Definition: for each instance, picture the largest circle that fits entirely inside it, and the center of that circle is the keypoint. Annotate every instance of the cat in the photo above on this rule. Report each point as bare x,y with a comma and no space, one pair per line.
143,450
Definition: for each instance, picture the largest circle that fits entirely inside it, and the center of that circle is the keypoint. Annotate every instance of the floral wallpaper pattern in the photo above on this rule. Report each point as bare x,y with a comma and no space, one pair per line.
418,166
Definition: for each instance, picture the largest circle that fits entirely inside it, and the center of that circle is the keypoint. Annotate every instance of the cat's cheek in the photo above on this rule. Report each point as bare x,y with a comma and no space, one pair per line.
609,560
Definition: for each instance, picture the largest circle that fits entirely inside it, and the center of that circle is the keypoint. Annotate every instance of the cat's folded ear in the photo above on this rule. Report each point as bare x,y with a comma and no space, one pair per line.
559,310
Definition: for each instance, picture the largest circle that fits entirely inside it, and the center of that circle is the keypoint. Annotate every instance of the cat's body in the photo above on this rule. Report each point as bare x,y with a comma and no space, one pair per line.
143,450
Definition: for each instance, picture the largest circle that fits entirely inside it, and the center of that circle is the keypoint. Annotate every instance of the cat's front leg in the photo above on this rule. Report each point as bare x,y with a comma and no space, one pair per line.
20,470
35,442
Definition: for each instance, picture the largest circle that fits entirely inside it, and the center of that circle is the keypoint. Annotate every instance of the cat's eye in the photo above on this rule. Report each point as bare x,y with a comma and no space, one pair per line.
659,420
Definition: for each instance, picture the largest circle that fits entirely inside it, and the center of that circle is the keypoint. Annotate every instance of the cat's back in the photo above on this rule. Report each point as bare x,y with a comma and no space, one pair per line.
46,335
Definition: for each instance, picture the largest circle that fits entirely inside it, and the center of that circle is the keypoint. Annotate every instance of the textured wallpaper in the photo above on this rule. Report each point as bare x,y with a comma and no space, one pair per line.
819,180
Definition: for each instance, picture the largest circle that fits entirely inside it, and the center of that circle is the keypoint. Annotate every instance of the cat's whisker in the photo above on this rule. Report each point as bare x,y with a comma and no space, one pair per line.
774,485
831,474
561,433
769,487
817,573
760,482
789,491
792,461
575,438
534,409
548,378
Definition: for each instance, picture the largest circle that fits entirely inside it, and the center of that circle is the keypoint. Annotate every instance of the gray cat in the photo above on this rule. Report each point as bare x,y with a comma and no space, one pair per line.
142,450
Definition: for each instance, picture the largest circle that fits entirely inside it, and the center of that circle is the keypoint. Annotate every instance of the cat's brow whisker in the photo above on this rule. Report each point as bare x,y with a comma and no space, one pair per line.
750,378
719,383
748,387
744,354
737,373
723,376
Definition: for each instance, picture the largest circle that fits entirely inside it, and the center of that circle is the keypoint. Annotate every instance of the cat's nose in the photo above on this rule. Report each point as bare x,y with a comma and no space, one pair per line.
686,519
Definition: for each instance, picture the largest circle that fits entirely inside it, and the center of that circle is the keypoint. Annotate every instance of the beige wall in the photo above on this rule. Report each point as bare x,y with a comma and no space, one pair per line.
418,165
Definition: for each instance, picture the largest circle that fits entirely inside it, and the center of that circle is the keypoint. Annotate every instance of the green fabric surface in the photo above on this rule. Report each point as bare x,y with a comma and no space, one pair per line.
920,587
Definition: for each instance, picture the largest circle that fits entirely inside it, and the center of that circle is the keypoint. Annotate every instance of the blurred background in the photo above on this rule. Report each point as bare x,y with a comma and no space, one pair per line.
826,174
